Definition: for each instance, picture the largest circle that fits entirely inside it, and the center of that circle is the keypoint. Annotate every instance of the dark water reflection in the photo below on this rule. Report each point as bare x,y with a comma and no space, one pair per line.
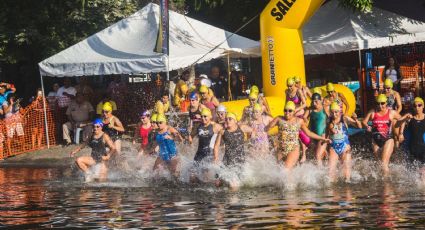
44,198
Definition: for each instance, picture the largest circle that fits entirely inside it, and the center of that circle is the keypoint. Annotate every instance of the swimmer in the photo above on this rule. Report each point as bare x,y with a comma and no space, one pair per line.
259,139
394,103
382,136
289,127
143,132
166,146
340,145
317,114
99,142
304,89
206,133
334,96
248,111
221,115
162,106
112,126
194,111
261,99
208,99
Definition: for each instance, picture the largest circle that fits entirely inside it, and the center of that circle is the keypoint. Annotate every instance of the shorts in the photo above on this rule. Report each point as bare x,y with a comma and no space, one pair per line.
14,128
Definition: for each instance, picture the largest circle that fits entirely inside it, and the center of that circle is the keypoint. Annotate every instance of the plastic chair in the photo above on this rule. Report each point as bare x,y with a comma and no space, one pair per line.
77,134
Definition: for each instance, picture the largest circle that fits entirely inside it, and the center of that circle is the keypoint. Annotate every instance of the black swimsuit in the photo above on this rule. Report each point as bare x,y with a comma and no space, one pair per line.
98,148
235,152
204,134
417,140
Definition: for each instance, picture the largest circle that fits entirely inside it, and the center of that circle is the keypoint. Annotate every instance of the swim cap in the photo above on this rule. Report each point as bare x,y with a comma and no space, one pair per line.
258,107
381,98
330,87
161,118
154,117
297,79
193,96
184,89
335,106
290,82
204,76
107,107
254,88
317,90
290,105
221,108
419,100
145,113
253,95
388,83
316,96
203,89
231,115
98,121
206,112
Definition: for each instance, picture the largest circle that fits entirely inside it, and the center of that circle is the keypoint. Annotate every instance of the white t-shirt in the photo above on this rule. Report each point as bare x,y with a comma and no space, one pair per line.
70,90
391,74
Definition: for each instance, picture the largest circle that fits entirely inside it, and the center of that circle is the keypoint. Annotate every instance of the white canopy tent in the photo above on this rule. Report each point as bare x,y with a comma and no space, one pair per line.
334,29
128,47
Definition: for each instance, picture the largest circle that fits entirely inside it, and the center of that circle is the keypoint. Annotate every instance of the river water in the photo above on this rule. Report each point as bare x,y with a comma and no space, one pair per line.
268,198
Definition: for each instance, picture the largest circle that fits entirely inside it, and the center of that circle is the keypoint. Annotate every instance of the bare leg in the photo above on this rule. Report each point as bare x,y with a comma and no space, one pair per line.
85,162
387,151
117,144
333,162
9,146
158,163
103,173
304,150
320,152
174,166
292,159
33,137
375,148
40,137
346,158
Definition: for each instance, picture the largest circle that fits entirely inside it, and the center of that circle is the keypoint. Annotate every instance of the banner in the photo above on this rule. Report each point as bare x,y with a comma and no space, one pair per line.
162,44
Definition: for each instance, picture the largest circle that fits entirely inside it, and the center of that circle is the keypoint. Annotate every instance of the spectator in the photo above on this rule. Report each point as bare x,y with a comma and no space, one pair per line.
80,114
163,105
5,90
36,120
52,97
181,87
392,71
84,88
105,98
235,85
13,121
65,94
218,83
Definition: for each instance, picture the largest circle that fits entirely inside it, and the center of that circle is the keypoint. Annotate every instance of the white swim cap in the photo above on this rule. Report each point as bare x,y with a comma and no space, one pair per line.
221,108
206,82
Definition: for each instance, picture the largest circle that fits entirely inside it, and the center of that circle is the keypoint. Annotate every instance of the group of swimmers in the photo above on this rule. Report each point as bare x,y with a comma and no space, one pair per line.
218,130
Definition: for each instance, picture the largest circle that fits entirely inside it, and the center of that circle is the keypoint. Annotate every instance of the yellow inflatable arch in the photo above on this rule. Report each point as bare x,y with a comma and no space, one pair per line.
282,52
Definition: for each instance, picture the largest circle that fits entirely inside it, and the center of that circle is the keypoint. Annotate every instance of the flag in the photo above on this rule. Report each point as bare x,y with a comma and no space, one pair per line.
162,41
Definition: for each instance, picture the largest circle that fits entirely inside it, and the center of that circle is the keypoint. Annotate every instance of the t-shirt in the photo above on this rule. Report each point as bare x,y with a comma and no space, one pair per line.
63,101
14,109
3,97
79,112
99,107
161,108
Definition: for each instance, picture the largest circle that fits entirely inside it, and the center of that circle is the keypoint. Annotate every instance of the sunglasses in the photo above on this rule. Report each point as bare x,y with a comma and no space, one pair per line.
417,105
291,85
387,88
252,99
203,93
288,110
203,116
335,111
104,111
330,92
382,103
229,119
221,113
98,126
193,100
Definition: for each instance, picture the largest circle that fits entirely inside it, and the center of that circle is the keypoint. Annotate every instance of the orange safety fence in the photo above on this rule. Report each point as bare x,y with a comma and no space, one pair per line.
24,131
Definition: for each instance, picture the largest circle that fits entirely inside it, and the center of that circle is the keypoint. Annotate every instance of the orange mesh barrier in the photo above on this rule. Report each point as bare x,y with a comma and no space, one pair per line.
25,131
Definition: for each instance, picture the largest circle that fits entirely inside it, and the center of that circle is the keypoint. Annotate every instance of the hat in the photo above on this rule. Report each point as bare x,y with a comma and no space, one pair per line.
98,121
381,98
290,105
253,95
290,81
317,90
297,79
221,108
203,89
154,117
316,96
388,83
193,96
107,107
330,87
161,118
204,76
254,88
145,113
231,115
258,107
335,106
419,100
206,112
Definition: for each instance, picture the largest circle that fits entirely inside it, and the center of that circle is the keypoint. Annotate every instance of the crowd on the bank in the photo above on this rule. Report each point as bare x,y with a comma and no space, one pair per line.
321,125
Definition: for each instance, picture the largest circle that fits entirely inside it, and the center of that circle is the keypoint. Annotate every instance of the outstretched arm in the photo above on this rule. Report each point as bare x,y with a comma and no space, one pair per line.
311,134
272,124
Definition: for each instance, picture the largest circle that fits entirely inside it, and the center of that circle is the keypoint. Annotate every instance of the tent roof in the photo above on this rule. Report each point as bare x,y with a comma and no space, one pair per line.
128,47
334,29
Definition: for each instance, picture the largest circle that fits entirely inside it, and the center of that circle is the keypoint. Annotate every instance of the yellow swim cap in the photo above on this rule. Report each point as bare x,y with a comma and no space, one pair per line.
419,100
330,87
203,89
254,88
206,112
290,105
161,118
258,107
297,79
253,95
317,90
154,117
231,115
184,89
388,83
107,107
381,98
335,106
290,82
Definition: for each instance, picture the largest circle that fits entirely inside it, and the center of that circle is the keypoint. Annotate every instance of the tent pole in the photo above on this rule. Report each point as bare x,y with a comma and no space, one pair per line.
229,94
45,112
